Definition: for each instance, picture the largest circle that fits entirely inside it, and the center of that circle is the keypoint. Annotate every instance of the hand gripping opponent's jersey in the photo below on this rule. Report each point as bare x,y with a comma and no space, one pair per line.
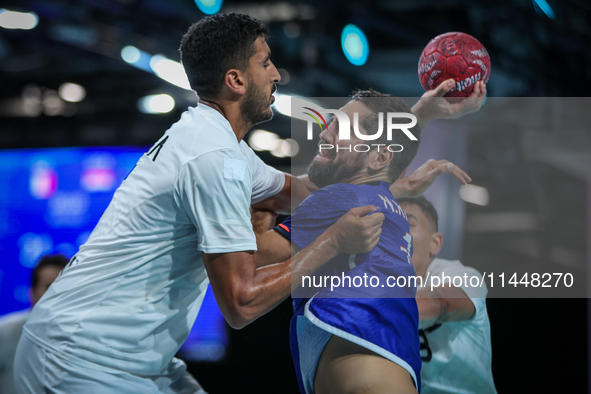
367,307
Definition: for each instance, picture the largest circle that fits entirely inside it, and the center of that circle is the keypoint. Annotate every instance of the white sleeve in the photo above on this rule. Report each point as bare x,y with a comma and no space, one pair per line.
471,278
266,180
451,269
214,190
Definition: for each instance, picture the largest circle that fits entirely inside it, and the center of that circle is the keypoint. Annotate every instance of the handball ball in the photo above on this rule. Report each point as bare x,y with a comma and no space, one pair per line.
454,55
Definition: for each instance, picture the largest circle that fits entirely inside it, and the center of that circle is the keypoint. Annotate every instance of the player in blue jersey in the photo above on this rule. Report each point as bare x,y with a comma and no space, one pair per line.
352,337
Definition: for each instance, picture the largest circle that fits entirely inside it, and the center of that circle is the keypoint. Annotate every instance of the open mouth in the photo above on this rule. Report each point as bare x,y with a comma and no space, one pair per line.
323,155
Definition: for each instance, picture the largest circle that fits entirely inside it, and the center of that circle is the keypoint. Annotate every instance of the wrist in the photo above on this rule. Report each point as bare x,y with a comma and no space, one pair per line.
330,240
417,111
400,189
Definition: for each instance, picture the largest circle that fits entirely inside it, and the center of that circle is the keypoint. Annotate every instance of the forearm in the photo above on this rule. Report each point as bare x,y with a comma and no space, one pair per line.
272,283
429,312
272,248
400,188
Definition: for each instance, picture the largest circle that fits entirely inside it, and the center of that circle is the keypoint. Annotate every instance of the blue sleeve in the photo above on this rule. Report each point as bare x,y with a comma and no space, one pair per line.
284,228
319,211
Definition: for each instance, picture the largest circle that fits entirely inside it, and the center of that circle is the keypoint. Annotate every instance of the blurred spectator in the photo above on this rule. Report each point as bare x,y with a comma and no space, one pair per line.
11,325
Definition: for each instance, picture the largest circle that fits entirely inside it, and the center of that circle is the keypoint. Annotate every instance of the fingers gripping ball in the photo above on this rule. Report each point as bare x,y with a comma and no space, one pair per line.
454,55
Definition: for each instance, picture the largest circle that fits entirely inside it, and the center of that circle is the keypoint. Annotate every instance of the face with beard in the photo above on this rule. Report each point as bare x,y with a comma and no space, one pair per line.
256,107
261,78
335,170
331,166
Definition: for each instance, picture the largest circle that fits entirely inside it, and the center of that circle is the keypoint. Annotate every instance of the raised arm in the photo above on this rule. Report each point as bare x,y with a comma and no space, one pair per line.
419,181
246,289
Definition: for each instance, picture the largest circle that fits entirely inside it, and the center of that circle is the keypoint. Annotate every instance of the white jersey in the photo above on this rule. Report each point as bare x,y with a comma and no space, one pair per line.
461,351
130,296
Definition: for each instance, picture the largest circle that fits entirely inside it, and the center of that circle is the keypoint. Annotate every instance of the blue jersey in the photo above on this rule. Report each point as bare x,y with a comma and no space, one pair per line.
373,314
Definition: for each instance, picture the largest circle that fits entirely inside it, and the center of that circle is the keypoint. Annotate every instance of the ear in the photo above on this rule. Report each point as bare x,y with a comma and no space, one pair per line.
236,81
380,158
436,243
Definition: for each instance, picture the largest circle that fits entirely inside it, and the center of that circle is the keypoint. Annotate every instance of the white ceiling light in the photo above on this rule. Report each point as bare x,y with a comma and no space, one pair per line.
72,92
474,194
156,104
263,140
171,71
18,20
130,54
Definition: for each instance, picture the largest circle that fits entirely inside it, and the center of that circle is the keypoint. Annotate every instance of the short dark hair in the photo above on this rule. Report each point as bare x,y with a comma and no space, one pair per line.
216,44
55,260
380,102
427,208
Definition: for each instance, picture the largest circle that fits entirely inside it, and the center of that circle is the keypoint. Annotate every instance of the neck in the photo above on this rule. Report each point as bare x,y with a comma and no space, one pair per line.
363,178
231,111
422,270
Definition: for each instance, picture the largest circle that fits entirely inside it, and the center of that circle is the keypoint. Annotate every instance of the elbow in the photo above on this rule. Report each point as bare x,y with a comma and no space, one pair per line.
239,312
237,319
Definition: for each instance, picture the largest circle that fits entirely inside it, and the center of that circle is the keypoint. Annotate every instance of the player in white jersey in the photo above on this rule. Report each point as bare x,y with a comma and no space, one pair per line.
455,330
113,320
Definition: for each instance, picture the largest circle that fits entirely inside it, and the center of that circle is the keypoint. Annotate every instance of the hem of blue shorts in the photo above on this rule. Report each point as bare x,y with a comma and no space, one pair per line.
359,341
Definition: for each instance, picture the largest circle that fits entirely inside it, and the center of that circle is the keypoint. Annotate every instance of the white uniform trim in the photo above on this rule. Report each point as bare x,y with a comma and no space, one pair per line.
359,341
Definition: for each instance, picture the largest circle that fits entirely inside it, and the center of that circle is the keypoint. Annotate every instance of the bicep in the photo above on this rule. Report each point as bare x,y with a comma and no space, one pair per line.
227,274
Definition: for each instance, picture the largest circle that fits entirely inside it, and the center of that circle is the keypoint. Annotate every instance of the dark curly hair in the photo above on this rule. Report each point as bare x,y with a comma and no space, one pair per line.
381,102
216,44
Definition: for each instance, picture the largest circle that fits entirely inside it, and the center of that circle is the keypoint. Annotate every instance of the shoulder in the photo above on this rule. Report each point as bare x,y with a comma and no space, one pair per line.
219,159
443,265
198,132
220,171
339,192
340,196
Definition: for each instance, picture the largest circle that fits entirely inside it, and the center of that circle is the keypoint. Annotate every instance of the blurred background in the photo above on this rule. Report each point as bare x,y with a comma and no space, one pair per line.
88,85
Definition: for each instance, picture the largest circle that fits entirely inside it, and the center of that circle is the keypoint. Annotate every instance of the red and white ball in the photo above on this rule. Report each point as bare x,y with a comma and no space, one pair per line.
454,55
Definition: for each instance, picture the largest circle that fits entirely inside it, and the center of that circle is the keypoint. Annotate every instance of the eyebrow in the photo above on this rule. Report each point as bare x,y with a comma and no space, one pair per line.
268,57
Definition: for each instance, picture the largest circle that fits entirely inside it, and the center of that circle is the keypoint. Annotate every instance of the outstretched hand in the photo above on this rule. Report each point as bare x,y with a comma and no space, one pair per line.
419,181
432,105
357,233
